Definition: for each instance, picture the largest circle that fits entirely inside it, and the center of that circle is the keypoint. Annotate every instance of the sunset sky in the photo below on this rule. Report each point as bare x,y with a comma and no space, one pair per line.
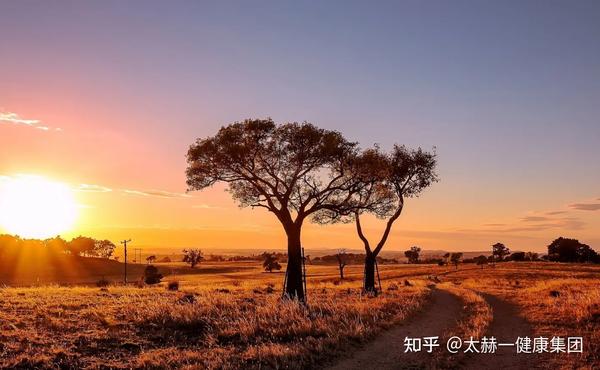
106,97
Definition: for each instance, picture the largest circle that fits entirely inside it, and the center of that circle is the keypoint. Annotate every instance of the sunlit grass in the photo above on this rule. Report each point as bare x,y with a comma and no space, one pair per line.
236,325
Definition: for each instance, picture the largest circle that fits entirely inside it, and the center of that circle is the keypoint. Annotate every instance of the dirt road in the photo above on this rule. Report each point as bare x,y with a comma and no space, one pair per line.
439,316
387,350
506,326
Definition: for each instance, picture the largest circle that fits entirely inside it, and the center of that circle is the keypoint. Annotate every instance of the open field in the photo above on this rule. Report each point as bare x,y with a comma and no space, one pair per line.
230,315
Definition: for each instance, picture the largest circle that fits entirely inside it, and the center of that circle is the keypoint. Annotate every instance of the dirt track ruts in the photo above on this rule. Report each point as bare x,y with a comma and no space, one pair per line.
387,350
506,326
437,317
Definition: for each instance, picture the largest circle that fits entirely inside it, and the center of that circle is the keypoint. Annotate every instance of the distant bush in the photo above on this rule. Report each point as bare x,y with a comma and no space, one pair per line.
270,262
102,283
151,275
173,285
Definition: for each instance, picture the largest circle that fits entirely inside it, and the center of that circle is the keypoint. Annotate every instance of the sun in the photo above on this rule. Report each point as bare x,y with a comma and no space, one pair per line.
36,207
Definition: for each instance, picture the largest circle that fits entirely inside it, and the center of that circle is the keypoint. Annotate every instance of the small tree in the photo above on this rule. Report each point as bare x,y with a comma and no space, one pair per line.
270,262
499,251
82,246
481,261
151,275
151,259
342,259
455,259
446,258
532,256
104,248
56,245
517,256
413,254
193,257
385,181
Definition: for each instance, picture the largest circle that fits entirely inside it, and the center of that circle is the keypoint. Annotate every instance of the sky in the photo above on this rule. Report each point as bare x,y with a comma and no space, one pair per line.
107,97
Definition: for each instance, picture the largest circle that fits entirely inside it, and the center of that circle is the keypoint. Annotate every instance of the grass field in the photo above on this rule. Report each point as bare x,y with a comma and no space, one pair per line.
230,315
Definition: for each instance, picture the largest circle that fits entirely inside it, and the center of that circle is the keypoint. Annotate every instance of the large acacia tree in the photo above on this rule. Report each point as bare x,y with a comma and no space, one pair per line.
294,170
387,179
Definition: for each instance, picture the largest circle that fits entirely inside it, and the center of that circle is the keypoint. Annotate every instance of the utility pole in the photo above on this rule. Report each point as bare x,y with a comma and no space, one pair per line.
124,242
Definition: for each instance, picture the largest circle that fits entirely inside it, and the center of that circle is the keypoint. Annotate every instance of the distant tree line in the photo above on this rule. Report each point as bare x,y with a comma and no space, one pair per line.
350,258
83,246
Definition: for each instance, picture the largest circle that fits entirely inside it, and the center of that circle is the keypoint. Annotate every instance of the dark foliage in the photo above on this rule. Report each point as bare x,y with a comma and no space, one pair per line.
151,275
571,250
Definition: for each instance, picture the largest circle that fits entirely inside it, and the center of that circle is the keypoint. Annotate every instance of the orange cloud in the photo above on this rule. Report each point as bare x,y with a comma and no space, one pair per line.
587,206
157,193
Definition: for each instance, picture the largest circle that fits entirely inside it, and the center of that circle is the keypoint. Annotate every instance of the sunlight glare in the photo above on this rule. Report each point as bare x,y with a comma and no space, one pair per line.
35,207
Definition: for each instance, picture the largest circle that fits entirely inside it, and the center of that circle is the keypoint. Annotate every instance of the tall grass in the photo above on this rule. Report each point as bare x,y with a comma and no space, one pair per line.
237,326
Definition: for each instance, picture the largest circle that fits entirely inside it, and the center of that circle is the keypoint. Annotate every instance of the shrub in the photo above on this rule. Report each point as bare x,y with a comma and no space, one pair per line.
151,275
173,285
102,283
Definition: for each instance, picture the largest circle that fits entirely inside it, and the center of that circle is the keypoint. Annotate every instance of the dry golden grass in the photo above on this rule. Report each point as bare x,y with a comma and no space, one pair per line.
238,325
231,315
557,299
476,315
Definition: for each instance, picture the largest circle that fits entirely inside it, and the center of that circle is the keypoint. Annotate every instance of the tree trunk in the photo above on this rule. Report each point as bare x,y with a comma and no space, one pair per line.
294,283
369,284
341,272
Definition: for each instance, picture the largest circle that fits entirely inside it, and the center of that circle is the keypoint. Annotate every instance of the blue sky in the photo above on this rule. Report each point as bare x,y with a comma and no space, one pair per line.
508,91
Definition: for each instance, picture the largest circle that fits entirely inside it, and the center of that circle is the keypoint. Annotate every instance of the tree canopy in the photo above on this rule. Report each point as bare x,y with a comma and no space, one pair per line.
293,170
571,250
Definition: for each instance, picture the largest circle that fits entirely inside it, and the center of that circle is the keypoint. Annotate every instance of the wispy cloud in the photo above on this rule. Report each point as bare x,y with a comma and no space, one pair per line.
205,206
156,193
535,218
571,223
91,188
15,119
586,206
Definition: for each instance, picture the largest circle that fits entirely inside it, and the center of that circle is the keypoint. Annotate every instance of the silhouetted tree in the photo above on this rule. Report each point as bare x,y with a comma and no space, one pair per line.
151,259
270,262
532,256
517,256
342,259
446,258
103,248
192,256
385,181
499,251
481,261
151,275
413,254
571,250
57,245
455,259
82,245
293,170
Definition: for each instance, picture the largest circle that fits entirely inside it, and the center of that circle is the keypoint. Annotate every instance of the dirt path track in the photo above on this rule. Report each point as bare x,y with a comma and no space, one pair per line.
387,350
506,326
439,316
